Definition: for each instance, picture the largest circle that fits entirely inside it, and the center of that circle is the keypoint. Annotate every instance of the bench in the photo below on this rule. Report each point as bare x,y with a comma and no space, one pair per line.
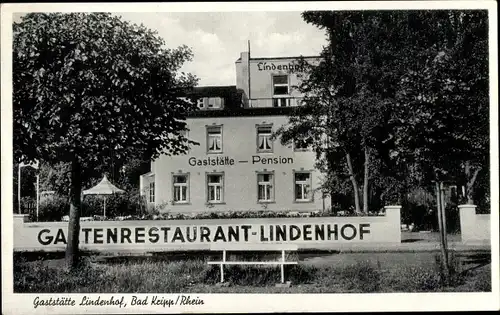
253,247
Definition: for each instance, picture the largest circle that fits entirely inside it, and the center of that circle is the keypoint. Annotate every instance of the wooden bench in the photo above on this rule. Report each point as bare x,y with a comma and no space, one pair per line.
253,247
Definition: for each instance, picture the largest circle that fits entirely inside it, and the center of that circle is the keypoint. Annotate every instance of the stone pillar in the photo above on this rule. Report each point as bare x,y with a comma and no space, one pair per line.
393,216
467,222
19,219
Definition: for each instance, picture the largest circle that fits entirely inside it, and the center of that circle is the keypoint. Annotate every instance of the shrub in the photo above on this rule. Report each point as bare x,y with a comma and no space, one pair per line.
157,215
124,204
28,205
52,209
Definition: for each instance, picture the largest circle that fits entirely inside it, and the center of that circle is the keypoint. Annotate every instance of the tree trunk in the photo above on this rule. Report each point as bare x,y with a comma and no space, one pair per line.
334,209
72,255
365,184
471,179
354,183
442,233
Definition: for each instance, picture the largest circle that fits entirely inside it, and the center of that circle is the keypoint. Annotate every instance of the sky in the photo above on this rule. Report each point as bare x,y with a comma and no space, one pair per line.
218,38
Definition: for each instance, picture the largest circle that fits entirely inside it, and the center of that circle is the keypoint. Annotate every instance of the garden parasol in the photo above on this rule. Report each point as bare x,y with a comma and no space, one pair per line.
103,188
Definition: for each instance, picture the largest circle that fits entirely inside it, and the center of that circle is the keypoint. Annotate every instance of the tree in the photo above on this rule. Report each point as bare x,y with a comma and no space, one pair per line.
348,97
442,118
441,121
91,88
399,96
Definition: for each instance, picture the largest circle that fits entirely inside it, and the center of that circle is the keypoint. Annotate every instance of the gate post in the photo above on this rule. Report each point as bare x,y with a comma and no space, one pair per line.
393,216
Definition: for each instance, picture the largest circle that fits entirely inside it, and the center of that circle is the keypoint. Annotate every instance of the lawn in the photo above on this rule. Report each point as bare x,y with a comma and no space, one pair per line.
150,274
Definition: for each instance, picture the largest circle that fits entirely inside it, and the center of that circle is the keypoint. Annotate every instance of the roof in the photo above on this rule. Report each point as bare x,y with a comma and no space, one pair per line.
231,95
281,58
103,188
215,90
242,112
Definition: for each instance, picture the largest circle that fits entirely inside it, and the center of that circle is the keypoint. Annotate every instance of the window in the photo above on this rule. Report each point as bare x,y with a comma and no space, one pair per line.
300,145
303,186
152,192
214,139
280,85
280,88
264,143
265,187
210,102
215,188
181,188
215,102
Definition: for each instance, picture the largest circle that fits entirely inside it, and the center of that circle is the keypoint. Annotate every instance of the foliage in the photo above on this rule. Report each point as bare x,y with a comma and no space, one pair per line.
52,209
155,215
442,115
28,184
399,99
91,90
94,87
55,177
124,204
348,100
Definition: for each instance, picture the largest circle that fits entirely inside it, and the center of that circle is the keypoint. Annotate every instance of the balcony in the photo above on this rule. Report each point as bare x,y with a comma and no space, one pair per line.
281,101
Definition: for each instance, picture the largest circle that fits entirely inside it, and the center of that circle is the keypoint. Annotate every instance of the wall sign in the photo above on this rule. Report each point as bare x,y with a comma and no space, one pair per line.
271,66
226,160
244,233
160,235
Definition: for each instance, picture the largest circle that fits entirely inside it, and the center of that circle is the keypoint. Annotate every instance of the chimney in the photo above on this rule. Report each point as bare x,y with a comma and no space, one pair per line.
243,76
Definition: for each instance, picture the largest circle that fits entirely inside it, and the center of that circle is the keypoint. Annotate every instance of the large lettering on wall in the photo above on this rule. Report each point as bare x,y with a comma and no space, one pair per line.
229,161
271,66
158,235
245,233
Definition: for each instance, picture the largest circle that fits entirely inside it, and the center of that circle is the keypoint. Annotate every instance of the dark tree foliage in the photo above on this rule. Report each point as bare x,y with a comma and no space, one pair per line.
399,99
441,115
90,89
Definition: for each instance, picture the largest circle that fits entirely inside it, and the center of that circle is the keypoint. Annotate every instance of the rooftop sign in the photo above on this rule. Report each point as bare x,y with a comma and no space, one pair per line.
271,66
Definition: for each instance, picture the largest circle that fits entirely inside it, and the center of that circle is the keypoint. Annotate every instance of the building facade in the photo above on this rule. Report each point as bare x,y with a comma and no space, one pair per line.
237,166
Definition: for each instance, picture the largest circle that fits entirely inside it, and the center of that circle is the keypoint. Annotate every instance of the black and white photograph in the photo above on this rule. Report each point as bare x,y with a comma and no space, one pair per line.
249,157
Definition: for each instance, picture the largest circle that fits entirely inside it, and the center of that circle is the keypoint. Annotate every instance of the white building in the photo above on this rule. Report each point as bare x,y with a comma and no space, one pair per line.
237,167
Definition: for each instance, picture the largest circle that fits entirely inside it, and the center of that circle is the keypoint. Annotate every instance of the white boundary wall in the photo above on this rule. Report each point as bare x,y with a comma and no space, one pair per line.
474,227
168,235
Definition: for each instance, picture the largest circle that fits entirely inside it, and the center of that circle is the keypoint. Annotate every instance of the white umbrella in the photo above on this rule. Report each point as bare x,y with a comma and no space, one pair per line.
103,188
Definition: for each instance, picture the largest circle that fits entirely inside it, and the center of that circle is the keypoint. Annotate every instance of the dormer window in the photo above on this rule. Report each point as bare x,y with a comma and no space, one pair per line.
210,103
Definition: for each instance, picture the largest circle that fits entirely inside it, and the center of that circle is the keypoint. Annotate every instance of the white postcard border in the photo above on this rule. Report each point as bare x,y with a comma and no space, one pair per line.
23,303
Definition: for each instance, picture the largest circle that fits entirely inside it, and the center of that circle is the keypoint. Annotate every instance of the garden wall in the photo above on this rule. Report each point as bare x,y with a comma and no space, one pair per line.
166,235
474,227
